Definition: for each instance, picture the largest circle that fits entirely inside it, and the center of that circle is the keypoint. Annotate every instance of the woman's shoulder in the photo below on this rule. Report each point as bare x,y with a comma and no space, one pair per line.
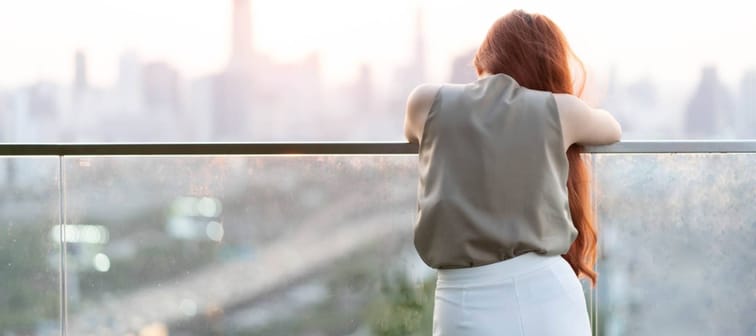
419,104
584,124
421,99
425,92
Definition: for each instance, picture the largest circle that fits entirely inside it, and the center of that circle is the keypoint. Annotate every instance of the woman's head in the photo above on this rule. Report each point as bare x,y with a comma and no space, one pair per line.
531,49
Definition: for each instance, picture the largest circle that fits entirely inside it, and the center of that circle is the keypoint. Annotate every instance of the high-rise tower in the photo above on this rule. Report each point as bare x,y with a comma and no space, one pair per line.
233,88
746,109
419,60
413,72
80,71
710,110
241,38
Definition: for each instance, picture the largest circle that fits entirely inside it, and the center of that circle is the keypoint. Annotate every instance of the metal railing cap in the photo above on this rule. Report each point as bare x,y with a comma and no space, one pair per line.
337,148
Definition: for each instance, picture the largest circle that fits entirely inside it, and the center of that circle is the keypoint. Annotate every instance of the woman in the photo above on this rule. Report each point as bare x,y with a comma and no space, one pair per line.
504,208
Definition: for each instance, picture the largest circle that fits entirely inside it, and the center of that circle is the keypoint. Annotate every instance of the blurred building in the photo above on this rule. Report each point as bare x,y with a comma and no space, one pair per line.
463,70
363,91
84,107
406,78
199,105
412,74
241,36
258,99
160,88
746,109
80,72
32,113
232,101
232,105
5,127
416,70
637,106
129,85
710,111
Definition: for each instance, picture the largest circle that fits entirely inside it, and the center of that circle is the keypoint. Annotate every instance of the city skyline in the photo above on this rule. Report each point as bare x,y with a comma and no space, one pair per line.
287,244
249,97
347,35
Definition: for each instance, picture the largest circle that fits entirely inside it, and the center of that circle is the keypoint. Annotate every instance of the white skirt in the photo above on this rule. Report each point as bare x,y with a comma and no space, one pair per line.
526,295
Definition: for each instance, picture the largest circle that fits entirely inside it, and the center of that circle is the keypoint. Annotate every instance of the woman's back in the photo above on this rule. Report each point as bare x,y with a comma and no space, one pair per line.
493,175
504,207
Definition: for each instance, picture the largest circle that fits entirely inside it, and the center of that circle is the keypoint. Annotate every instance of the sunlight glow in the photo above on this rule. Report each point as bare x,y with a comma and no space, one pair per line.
643,36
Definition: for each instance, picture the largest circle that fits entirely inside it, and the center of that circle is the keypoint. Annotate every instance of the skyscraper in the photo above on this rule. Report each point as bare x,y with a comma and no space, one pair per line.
160,88
241,38
80,72
129,84
407,77
710,111
462,70
252,97
73,116
419,60
233,88
412,73
746,111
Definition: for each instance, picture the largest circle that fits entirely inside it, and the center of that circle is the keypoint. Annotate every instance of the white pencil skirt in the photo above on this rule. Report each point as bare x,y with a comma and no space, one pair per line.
529,295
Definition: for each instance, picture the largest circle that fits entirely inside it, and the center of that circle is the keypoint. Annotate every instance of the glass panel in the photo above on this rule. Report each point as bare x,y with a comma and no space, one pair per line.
264,245
284,245
29,246
677,236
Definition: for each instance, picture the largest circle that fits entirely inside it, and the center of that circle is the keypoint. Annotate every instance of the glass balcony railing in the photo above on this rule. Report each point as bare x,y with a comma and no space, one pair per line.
315,239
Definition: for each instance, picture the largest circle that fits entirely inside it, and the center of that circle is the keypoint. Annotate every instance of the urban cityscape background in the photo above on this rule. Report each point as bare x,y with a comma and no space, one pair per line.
321,245
255,94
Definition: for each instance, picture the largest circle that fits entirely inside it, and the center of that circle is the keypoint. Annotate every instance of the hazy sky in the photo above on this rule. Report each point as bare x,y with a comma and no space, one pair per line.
669,40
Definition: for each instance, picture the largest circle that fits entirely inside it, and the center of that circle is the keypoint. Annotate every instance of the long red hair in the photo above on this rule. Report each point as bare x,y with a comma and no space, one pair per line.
531,49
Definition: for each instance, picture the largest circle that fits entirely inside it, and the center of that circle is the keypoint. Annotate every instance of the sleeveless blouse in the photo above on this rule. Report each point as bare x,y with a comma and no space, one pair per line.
493,176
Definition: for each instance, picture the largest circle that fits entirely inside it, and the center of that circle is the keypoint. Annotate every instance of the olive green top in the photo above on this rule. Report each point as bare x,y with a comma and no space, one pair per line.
493,176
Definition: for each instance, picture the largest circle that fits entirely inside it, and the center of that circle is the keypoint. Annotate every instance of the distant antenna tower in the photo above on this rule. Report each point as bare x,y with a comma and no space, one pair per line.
241,39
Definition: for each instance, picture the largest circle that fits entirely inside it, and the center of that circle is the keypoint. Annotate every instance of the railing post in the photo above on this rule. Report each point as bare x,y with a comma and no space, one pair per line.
63,253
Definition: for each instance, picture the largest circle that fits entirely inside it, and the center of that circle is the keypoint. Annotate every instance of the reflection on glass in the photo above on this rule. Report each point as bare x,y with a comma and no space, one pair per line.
245,246
295,245
677,254
29,258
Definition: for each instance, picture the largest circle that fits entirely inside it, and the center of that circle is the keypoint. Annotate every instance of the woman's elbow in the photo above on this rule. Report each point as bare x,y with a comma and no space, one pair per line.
411,138
408,132
616,134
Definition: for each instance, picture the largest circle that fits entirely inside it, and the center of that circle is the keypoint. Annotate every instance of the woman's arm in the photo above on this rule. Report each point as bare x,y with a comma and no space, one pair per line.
585,125
419,104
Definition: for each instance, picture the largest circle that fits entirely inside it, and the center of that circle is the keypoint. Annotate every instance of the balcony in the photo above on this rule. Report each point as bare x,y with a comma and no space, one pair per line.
315,239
